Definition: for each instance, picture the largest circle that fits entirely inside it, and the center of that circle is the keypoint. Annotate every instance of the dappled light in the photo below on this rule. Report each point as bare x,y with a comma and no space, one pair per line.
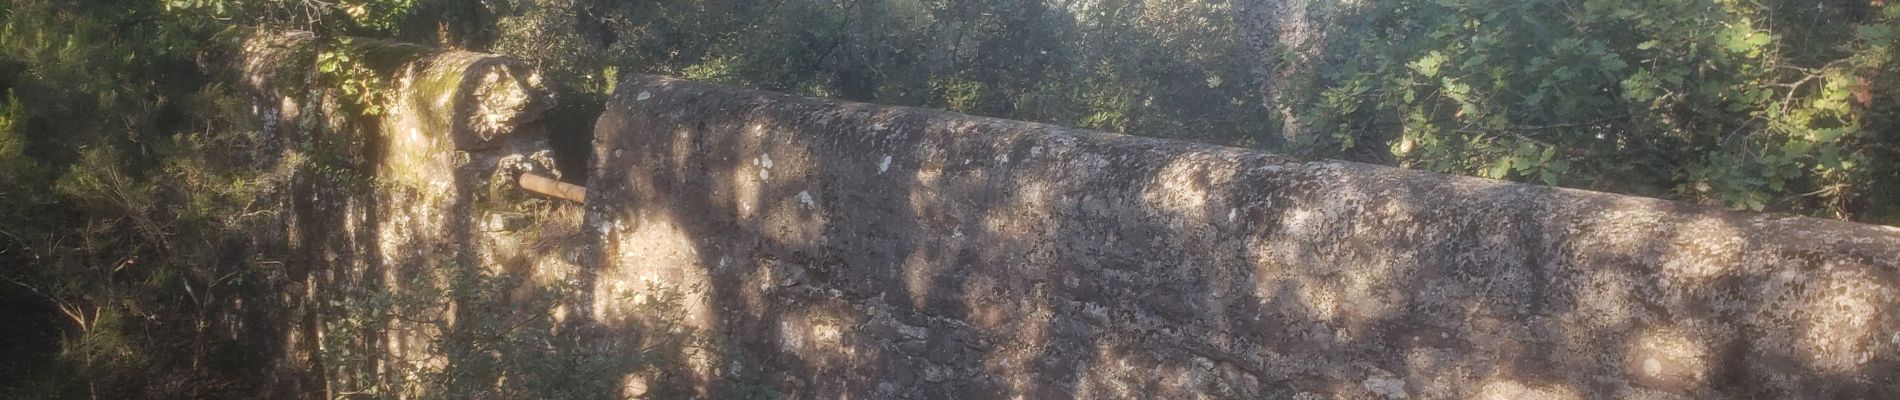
648,255
1512,390
420,199
989,258
1666,358
1843,329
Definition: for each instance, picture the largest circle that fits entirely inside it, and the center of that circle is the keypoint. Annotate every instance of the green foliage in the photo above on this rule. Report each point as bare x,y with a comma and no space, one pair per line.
330,17
122,190
342,66
478,332
133,187
1161,68
1751,105
15,167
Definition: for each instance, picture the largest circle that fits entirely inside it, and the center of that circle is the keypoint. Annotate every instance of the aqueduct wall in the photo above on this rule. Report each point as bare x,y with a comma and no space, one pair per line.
739,242
844,250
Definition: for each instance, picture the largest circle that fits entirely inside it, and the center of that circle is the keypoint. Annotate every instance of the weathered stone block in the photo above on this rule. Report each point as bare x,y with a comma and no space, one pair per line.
948,256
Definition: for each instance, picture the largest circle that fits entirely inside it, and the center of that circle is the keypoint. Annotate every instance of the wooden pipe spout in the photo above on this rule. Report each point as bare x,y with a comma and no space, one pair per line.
553,188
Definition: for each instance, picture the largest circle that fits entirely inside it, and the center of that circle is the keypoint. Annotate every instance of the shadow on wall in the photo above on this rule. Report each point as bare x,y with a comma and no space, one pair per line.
876,252
742,244
418,269
570,133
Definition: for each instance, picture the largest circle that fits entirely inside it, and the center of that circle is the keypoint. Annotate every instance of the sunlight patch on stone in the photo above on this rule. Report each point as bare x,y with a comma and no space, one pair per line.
1842,333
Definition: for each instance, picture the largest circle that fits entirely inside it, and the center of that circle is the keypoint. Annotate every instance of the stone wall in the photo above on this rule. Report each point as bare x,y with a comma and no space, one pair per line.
841,250
411,254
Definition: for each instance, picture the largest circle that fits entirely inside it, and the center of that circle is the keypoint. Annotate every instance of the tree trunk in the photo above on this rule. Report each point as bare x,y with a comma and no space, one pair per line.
1284,40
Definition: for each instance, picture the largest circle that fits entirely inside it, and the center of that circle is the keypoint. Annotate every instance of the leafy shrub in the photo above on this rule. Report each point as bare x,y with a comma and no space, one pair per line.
1762,105
1160,68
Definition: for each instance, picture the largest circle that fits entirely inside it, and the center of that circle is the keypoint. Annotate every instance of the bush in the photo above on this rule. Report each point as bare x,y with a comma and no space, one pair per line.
1766,105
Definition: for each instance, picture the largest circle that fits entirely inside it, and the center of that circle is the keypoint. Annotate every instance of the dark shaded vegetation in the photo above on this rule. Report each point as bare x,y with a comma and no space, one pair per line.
169,229
127,182
142,196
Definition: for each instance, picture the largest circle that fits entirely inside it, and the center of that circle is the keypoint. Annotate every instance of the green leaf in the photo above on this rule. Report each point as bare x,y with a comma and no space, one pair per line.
1874,32
1674,77
1526,149
1612,64
1501,169
1563,73
1474,62
1830,157
1648,45
1429,65
1557,166
1797,147
1828,135
1758,39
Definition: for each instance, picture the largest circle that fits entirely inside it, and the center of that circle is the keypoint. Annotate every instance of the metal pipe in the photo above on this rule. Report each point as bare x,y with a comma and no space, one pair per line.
549,186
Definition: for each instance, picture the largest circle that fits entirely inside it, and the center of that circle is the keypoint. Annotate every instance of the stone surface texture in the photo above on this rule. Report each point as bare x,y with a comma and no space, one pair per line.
843,250
457,134
387,214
